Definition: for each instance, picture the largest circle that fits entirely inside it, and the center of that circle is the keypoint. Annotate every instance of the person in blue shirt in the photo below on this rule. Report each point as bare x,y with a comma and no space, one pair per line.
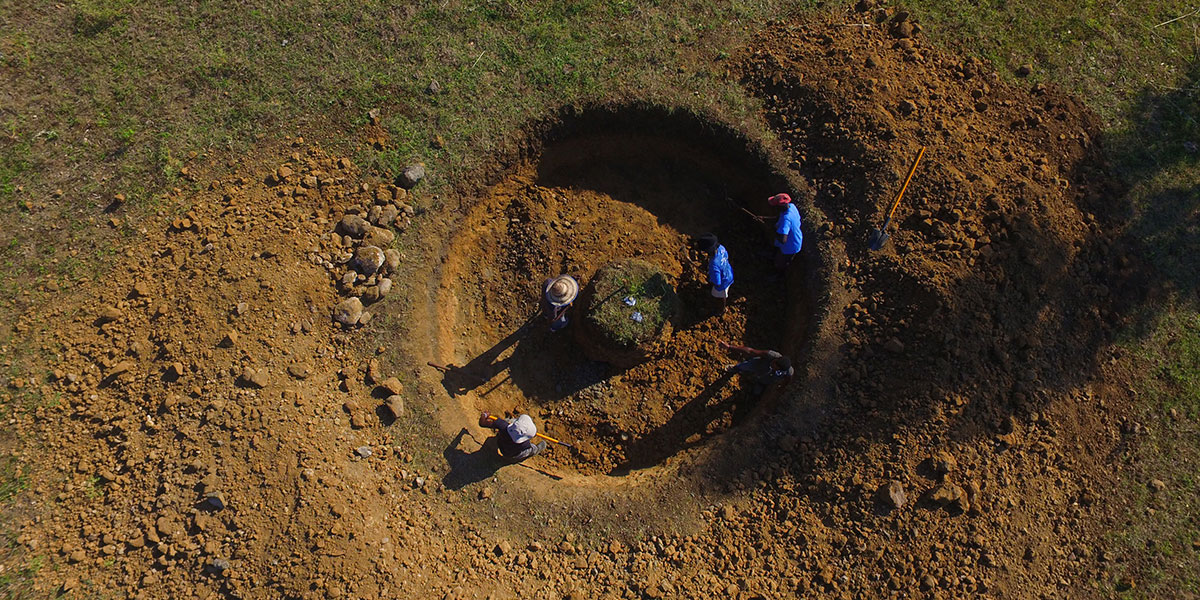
788,237
720,274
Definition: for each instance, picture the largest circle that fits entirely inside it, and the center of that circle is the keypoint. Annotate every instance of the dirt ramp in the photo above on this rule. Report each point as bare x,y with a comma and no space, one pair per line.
610,187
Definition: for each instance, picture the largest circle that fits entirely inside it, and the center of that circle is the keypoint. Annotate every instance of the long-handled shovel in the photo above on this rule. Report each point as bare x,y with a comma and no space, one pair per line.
880,236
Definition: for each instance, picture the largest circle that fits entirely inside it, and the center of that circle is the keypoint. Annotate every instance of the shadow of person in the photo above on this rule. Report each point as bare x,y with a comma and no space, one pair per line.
470,467
482,368
672,436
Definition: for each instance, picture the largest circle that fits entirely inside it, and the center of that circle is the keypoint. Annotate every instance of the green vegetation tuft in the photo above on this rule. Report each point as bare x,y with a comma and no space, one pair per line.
655,302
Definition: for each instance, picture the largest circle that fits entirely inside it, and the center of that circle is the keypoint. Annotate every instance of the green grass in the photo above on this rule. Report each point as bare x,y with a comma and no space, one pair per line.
655,301
1155,544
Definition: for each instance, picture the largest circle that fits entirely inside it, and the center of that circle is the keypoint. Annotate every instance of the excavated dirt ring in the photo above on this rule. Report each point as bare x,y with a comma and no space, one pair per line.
606,186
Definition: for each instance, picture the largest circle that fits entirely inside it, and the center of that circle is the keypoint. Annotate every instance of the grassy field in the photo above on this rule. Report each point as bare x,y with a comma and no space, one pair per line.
112,96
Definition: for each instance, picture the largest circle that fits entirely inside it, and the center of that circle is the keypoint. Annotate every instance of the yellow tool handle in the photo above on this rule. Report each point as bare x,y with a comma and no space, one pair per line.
492,418
910,176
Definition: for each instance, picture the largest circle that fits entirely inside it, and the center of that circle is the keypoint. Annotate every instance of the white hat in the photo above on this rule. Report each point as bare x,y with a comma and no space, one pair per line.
522,429
562,290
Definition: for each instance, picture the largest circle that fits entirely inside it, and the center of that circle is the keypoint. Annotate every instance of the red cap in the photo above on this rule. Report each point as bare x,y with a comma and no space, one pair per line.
779,200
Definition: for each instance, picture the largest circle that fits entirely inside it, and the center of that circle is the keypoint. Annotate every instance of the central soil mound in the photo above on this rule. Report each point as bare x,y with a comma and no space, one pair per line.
626,307
615,186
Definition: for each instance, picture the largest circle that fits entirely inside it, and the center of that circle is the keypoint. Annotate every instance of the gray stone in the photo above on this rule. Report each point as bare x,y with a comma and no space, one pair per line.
410,176
893,495
391,260
387,214
368,259
219,565
215,500
354,226
363,451
395,404
384,285
379,236
348,312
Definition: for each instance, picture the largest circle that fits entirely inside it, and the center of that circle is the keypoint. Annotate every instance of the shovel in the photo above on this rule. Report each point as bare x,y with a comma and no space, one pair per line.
879,236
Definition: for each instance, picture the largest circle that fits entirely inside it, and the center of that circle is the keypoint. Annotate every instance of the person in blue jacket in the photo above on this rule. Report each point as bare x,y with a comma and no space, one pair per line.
788,237
720,274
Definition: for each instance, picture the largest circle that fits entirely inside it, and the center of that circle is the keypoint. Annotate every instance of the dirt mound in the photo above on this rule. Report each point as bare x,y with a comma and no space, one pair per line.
949,430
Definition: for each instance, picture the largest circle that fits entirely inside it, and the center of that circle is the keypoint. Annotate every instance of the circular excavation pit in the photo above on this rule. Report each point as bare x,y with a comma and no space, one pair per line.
615,200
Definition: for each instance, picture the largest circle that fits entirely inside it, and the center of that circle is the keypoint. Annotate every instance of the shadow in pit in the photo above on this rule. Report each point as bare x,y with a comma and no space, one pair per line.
467,468
690,420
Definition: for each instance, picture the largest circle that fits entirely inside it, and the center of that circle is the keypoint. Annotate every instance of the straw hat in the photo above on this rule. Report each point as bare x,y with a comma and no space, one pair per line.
562,290
522,429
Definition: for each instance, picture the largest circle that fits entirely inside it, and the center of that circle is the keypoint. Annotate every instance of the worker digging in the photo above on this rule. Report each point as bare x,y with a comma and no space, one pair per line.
720,274
768,369
557,295
788,237
514,438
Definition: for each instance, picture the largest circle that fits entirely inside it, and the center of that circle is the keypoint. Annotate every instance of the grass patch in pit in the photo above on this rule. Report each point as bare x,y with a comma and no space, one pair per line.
655,302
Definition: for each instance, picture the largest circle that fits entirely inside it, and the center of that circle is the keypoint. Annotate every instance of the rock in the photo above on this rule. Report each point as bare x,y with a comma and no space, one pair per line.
503,548
371,295
167,526
348,312
902,30
387,215
358,420
141,289
864,5
893,495
298,371
392,385
1024,70
77,556
943,463
365,318
230,339
354,226
283,172
485,493
367,260
893,345
121,367
219,565
1157,485
255,377
110,314
391,260
363,451
176,370
385,286
411,176
951,497
379,236
728,512
215,500
395,404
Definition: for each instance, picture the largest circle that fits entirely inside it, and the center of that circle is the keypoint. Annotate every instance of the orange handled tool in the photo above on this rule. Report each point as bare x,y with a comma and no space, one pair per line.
879,236
492,418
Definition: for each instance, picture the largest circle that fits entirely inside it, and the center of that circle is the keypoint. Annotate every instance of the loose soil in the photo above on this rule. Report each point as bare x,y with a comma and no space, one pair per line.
950,431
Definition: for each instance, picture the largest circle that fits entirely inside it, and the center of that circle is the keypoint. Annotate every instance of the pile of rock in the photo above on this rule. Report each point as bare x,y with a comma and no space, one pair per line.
360,258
